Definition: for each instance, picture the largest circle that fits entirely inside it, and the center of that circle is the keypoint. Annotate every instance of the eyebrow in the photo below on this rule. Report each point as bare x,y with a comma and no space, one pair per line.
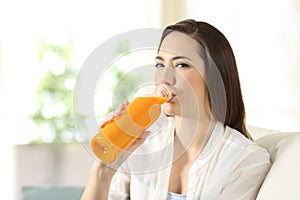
174,58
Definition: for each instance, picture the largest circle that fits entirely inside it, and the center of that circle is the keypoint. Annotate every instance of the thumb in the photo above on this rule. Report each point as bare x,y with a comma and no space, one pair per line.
139,141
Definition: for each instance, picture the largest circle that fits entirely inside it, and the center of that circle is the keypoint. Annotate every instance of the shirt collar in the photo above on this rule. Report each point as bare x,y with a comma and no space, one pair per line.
216,134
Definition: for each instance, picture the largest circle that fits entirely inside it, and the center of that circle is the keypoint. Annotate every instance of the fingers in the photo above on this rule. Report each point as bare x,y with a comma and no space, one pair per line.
120,108
145,135
139,141
125,154
106,120
110,117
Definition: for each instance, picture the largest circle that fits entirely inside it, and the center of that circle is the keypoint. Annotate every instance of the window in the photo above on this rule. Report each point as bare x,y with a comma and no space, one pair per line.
86,24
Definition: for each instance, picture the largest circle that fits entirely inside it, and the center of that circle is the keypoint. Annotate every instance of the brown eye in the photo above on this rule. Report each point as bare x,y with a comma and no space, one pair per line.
159,65
182,65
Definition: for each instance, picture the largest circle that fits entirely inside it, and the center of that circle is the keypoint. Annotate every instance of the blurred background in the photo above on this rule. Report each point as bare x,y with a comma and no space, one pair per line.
43,44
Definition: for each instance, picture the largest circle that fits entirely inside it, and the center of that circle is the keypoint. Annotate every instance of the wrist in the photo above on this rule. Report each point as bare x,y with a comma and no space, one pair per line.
102,172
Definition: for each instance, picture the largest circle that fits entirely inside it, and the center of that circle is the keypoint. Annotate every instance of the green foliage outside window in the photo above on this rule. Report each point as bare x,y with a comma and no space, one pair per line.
54,96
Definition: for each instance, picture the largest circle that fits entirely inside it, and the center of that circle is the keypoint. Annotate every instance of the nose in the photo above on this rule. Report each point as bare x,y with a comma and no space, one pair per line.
165,75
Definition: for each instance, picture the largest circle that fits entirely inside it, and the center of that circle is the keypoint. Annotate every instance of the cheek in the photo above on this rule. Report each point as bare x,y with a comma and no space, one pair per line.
197,83
157,76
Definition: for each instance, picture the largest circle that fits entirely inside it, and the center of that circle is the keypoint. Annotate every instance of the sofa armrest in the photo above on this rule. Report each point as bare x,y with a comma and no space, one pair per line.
283,179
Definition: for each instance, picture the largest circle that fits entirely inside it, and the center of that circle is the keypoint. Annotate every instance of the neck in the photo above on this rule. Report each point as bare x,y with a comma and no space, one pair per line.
192,134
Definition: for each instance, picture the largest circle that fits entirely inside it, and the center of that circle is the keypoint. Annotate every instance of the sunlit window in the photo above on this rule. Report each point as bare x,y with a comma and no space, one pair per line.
31,39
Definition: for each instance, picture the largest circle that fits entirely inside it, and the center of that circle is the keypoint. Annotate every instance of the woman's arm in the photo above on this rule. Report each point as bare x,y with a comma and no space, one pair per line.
98,184
101,175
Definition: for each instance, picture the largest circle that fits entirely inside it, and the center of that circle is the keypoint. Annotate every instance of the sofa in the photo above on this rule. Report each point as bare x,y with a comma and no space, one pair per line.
281,183
283,179
52,192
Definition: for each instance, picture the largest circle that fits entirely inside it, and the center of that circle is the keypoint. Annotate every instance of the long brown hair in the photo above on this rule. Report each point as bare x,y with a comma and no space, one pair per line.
221,74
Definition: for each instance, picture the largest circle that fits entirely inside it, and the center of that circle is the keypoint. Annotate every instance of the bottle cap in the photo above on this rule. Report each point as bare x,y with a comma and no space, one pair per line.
163,90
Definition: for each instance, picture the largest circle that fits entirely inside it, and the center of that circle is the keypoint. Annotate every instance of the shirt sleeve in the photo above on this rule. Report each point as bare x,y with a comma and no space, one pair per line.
244,182
120,187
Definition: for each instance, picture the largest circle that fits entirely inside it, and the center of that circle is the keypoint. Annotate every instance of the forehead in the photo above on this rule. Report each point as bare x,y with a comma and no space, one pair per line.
180,44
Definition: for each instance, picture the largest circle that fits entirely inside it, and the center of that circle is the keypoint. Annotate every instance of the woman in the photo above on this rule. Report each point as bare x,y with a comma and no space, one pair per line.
196,62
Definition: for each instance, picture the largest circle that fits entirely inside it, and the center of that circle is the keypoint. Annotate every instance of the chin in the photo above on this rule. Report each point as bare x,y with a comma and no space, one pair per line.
170,109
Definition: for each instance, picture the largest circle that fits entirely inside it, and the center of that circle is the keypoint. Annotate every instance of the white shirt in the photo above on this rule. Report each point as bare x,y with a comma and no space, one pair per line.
230,167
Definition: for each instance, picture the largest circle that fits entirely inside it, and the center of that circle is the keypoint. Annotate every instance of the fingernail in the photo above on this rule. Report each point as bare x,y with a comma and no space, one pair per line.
119,109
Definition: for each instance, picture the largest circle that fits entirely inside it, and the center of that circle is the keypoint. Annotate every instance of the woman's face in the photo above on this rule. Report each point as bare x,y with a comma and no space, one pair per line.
180,66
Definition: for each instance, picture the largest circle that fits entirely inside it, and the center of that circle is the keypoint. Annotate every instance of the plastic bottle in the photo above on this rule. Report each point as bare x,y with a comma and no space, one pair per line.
118,135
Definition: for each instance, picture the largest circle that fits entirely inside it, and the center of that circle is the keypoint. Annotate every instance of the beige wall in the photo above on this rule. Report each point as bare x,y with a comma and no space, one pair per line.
172,11
44,164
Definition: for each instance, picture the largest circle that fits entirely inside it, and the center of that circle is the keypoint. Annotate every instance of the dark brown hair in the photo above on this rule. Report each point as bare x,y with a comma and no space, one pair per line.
221,74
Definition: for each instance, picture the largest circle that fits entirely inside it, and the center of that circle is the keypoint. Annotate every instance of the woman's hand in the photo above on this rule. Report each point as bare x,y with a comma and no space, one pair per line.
109,118
101,173
117,112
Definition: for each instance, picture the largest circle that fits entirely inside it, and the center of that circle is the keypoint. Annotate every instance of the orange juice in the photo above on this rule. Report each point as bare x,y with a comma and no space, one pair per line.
118,135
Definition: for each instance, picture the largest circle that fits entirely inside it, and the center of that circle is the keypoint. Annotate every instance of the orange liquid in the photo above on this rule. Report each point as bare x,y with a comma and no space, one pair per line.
118,135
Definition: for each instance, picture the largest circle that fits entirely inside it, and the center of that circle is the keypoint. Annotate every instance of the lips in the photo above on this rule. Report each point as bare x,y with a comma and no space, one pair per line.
172,96
165,90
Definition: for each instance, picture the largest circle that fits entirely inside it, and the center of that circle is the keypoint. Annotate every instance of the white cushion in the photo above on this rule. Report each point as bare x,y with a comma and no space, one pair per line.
283,179
258,132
